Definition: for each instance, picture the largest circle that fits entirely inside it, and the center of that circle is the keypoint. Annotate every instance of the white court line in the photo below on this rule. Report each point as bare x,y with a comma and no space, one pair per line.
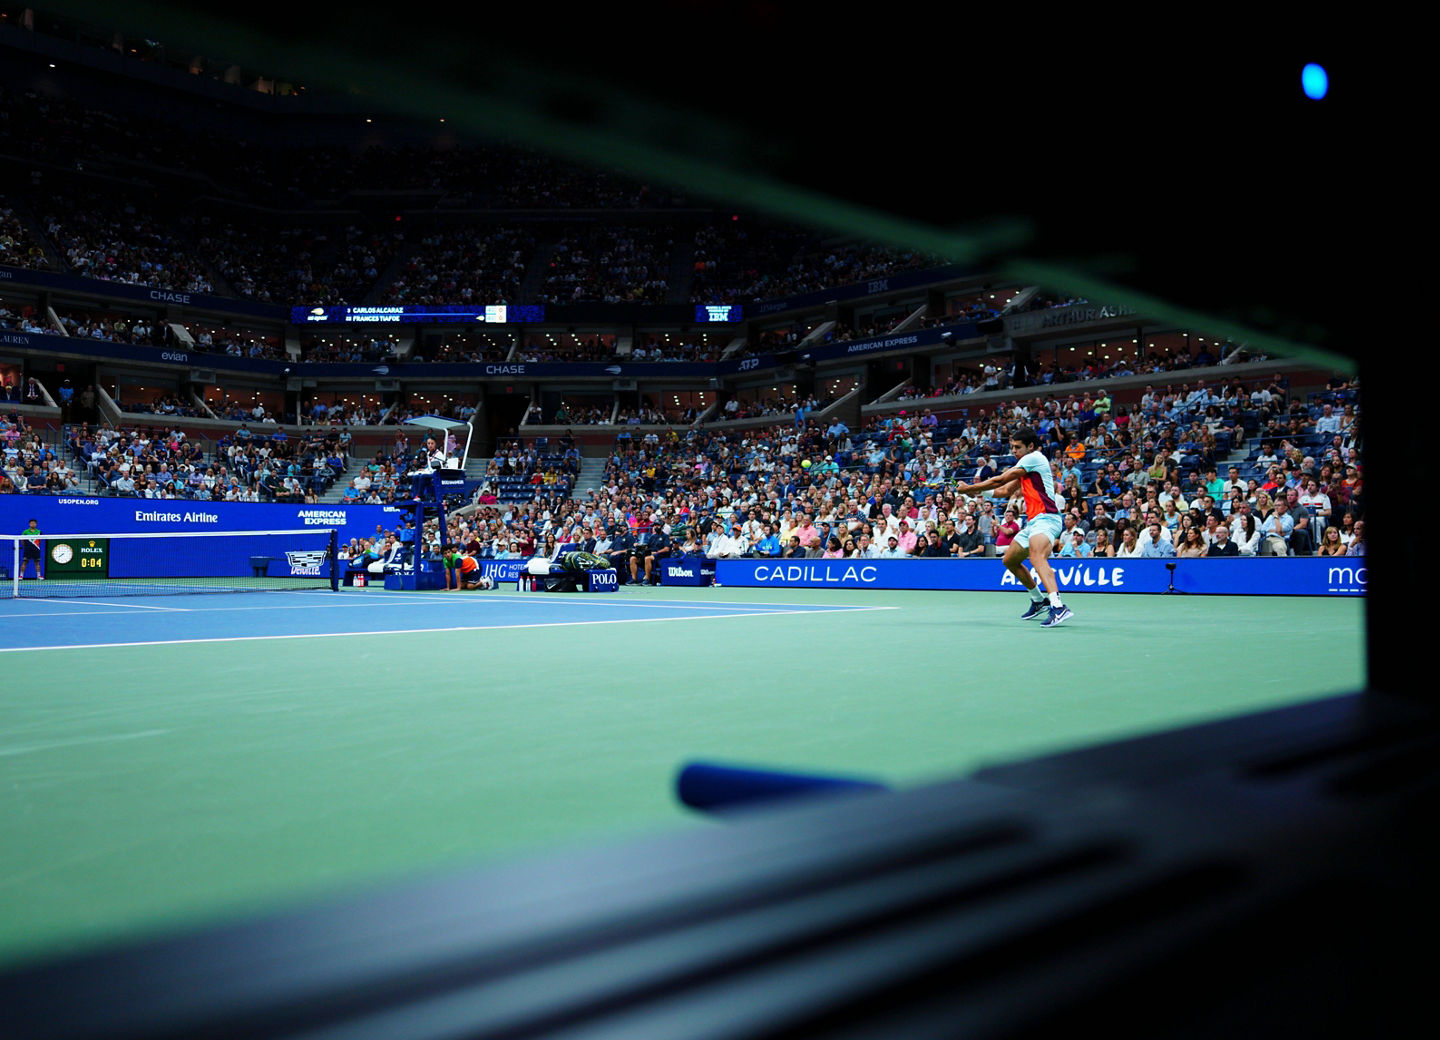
606,600
25,749
217,610
435,600
424,631
98,603
376,604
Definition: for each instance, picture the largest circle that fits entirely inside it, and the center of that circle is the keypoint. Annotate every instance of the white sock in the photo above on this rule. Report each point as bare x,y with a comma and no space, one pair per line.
1037,593
1055,600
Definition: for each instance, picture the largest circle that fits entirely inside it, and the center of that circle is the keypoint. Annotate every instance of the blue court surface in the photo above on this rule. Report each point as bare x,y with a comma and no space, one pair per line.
43,624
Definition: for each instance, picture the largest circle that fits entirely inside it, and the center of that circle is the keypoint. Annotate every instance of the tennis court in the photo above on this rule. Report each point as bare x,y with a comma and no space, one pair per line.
180,759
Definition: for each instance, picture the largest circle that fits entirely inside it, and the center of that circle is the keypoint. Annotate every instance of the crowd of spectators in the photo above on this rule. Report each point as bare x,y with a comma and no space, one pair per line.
459,409
29,464
382,481
1153,362
308,263
1136,482
610,264
269,264
567,348
340,267
1139,482
237,343
695,347
363,347
26,391
26,319
464,265
104,238
163,463
58,129
645,413
18,247
467,347
824,266
163,404
786,401
179,225
735,263
116,328
1002,373
647,348
343,412
572,412
966,310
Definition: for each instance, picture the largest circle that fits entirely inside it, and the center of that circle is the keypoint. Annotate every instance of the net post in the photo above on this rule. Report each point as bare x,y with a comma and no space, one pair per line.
15,568
334,556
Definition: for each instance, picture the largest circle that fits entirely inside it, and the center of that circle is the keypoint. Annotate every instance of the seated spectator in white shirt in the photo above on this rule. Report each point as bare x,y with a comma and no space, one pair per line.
727,546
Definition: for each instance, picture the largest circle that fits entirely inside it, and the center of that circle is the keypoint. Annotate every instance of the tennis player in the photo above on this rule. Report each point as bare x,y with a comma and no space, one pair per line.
461,568
1043,524
30,550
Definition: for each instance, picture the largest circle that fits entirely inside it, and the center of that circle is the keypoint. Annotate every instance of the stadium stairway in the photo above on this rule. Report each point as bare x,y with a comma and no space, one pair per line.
336,491
391,271
592,475
475,468
682,271
534,279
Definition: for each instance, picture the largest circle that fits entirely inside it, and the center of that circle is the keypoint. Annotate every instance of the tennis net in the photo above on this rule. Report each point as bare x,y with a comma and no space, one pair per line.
157,564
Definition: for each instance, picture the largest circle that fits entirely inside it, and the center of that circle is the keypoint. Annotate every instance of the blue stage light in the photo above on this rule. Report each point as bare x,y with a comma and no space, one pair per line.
1315,81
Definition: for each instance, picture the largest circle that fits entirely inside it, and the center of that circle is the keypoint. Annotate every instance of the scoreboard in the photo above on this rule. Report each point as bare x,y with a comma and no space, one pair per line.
427,314
77,558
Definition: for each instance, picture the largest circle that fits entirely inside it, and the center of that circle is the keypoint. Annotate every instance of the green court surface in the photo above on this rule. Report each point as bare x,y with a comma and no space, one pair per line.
151,787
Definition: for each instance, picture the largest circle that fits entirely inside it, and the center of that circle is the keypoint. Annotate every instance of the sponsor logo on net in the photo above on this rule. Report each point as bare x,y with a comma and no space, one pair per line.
305,564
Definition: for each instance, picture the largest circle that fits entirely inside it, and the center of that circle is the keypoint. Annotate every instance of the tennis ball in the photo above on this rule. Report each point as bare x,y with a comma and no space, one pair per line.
805,464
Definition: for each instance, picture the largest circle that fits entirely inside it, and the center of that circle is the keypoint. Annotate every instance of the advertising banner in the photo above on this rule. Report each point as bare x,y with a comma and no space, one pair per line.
695,571
66,514
502,570
1254,576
